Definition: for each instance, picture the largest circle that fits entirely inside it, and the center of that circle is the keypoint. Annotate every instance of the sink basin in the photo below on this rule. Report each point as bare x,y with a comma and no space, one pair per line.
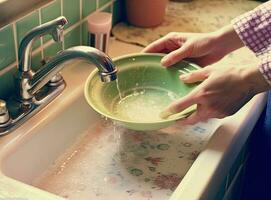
71,151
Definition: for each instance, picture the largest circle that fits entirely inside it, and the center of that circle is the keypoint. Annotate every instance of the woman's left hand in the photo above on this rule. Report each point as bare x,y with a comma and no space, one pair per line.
223,91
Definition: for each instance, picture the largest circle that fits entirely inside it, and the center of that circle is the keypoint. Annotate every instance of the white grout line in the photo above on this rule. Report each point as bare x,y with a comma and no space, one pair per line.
100,9
61,7
28,14
85,19
62,13
81,16
15,42
111,8
5,26
7,68
61,2
47,4
41,38
48,43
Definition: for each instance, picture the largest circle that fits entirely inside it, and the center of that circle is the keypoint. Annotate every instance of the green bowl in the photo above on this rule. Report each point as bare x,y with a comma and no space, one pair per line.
142,90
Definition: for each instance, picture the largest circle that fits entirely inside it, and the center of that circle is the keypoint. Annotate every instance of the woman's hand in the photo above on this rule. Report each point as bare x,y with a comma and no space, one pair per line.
201,48
223,92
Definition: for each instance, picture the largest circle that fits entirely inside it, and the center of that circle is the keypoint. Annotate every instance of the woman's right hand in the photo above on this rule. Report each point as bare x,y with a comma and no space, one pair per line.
201,48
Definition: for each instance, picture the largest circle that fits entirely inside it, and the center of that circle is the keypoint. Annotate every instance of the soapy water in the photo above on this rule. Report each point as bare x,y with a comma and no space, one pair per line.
143,104
111,162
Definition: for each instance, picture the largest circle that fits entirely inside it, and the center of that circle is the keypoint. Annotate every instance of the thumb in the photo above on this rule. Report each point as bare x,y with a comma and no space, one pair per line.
177,55
195,76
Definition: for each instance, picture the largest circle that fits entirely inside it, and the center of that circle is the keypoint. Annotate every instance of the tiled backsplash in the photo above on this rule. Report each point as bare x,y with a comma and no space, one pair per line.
75,33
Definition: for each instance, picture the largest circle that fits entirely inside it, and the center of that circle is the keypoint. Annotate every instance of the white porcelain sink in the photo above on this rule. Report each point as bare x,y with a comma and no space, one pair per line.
71,151
49,141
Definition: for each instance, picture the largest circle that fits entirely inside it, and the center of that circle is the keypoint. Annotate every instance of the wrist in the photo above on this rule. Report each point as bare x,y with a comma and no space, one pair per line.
255,80
227,39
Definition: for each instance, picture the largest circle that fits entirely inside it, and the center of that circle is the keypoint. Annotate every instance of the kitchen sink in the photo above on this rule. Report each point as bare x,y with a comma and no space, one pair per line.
71,151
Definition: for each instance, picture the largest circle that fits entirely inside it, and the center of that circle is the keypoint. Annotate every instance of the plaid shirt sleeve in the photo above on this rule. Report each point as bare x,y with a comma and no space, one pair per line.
254,29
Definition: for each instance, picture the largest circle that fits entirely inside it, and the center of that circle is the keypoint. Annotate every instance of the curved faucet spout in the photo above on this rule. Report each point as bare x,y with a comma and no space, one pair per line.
105,65
53,28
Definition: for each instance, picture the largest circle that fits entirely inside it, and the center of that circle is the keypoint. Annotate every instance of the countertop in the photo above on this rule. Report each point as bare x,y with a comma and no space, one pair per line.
191,16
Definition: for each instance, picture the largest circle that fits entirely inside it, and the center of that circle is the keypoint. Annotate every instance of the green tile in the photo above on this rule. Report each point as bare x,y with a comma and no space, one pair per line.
72,38
36,61
7,48
7,83
49,13
103,2
107,9
71,10
84,34
26,24
88,7
52,50
117,12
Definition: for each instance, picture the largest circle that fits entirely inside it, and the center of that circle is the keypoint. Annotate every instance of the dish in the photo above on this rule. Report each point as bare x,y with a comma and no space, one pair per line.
142,90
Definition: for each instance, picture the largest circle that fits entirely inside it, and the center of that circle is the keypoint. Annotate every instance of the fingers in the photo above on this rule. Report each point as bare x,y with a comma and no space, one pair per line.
192,119
199,116
155,47
165,44
177,55
182,103
158,46
196,76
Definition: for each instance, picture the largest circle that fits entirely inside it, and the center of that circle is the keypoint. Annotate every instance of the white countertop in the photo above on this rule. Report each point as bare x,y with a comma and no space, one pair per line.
210,167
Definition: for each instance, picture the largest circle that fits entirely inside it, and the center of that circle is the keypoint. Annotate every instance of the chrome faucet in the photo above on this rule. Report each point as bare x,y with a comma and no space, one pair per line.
105,65
55,29
37,89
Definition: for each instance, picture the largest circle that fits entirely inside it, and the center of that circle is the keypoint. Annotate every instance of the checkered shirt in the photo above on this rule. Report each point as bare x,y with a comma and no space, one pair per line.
254,29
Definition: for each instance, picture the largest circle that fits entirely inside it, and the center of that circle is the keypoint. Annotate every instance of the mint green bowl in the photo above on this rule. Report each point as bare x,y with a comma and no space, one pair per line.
146,88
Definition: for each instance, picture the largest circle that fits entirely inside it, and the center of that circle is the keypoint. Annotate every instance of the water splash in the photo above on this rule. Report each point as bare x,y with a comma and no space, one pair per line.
147,102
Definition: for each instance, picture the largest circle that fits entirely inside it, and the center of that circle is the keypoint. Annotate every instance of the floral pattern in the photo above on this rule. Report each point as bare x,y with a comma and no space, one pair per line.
126,164
170,181
154,161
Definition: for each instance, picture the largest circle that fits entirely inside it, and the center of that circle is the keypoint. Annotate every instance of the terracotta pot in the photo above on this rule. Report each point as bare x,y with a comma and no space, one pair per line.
146,13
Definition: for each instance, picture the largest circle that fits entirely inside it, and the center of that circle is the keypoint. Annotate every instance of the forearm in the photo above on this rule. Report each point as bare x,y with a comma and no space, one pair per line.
228,39
254,29
254,80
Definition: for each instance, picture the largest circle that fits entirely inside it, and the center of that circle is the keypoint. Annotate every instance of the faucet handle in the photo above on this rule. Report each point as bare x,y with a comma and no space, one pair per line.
3,107
57,33
4,115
